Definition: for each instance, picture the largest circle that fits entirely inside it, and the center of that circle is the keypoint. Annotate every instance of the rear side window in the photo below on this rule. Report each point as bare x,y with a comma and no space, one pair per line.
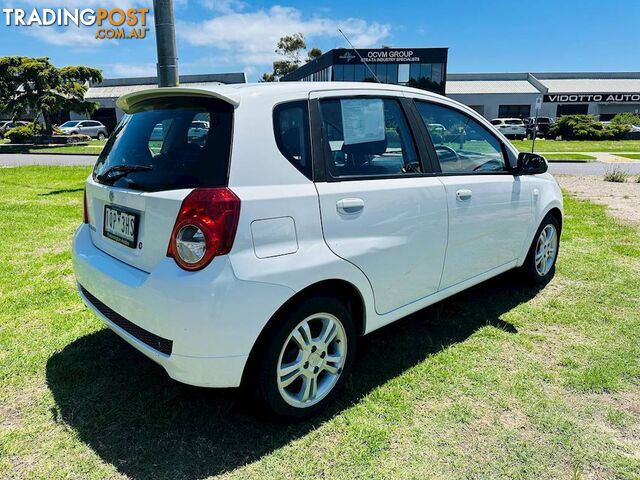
291,129
179,143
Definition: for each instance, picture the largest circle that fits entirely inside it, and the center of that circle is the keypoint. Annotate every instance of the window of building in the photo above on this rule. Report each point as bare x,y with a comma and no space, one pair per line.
462,145
514,111
291,129
381,72
572,109
425,70
338,73
415,72
359,73
403,73
392,73
349,73
367,137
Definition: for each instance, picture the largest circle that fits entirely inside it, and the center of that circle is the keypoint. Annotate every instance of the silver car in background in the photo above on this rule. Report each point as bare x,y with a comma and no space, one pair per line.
93,128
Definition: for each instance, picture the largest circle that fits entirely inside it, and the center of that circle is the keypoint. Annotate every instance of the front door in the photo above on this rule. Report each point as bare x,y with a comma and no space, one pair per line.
490,209
379,211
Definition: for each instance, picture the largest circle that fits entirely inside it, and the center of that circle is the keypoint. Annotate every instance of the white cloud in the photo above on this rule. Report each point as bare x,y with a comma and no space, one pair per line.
224,6
249,38
131,70
76,38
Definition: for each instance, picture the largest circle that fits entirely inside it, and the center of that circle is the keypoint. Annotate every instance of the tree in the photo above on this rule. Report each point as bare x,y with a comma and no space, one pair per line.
291,48
35,85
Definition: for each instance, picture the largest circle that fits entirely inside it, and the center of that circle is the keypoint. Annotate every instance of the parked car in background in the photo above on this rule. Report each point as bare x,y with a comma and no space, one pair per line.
540,125
7,125
511,127
93,128
309,214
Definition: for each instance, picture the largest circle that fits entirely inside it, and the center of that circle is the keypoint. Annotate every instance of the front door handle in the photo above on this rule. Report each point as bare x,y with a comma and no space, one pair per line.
350,206
464,194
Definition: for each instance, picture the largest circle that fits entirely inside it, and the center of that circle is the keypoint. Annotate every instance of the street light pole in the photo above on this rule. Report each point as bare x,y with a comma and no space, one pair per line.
166,43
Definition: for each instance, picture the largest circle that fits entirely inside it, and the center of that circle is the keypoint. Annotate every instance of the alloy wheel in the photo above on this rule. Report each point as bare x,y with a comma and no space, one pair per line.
311,360
546,250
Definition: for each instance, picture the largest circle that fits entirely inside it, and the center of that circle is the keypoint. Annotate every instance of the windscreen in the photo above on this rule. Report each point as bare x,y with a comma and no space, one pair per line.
169,144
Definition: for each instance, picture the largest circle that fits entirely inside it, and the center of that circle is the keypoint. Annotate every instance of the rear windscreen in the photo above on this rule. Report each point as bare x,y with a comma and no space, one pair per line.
169,144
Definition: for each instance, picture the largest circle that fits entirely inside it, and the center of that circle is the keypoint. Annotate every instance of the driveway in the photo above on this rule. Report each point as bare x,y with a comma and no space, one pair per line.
24,159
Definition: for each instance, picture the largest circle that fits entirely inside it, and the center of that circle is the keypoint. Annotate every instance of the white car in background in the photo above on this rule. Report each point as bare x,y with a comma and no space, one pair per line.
511,127
306,215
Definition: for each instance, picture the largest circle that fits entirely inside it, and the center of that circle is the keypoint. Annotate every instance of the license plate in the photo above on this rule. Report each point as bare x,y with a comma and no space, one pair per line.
120,226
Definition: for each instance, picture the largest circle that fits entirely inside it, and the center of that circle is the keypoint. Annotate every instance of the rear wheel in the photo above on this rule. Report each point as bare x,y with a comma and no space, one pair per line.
540,265
305,359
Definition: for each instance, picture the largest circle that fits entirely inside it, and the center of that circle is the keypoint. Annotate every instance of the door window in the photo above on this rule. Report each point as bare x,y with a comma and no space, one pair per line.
464,146
367,137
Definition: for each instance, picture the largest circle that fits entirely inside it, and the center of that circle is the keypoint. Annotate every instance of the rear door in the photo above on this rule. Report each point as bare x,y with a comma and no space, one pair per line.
490,209
132,213
379,211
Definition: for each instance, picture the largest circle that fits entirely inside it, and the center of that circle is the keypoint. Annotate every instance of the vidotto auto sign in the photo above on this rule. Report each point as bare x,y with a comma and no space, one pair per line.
593,97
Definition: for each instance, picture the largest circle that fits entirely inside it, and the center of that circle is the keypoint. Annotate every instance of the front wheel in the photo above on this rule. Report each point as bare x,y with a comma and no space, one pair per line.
101,136
305,358
540,265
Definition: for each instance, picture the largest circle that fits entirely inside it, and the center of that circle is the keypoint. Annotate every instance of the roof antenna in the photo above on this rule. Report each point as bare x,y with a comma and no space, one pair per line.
361,59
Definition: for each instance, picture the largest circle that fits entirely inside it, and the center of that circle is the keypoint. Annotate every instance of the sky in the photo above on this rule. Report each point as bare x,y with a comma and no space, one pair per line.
240,35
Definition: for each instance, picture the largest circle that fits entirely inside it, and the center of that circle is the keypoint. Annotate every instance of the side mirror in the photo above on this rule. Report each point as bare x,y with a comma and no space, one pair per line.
531,163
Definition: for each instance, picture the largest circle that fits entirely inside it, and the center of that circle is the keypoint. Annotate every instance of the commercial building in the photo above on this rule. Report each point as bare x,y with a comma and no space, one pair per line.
424,68
107,92
603,94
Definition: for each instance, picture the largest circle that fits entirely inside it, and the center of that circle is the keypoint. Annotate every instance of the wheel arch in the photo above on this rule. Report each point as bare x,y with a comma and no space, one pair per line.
347,292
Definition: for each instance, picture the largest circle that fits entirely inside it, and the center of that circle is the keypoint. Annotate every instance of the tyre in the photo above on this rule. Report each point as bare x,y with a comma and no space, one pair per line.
540,265
101,136
304,359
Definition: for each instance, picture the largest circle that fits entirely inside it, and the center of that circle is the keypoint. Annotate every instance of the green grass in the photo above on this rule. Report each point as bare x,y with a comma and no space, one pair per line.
569,157
93,147
632,156
578,146
501,382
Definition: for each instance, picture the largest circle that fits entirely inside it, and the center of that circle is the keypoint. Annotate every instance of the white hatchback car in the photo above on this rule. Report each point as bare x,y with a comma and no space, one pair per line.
309,214
511,127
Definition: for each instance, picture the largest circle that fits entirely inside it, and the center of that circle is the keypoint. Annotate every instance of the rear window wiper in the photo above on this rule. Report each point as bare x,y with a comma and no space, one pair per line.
118,171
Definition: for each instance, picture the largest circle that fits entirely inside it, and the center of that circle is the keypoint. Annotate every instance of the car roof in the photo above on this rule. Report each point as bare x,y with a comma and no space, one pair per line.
234,93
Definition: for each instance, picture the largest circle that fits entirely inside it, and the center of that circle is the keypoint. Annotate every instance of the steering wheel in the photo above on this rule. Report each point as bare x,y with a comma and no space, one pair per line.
488,164
450,155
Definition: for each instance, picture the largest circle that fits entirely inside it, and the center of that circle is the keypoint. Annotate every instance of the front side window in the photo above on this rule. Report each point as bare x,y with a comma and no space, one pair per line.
464,146
291,128
367,137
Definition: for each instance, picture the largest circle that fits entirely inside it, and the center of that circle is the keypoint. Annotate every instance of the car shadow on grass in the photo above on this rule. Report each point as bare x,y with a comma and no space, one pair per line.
134,417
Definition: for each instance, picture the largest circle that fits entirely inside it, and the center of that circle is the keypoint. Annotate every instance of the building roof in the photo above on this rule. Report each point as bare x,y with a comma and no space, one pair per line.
489,86
566,82
116,87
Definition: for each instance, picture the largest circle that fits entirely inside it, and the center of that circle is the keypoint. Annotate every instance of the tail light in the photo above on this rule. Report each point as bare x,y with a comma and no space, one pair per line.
85,208
205,228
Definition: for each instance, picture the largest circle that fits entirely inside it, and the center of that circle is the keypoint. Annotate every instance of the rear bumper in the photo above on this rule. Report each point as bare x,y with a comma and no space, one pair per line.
199,326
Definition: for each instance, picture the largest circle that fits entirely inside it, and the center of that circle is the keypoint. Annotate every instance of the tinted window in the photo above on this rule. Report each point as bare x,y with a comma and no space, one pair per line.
158,134
465,146
367,137
520,111
291,128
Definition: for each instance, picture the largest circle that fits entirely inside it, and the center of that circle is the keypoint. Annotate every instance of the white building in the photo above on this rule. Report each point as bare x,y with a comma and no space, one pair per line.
603,94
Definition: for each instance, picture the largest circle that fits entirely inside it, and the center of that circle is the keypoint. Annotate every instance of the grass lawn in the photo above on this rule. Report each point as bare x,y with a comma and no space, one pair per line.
632,156
569,157
578,146
503,381
93,147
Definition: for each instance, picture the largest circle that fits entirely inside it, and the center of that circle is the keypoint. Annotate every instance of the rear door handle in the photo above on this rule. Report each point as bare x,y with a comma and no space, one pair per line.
350,206
464,194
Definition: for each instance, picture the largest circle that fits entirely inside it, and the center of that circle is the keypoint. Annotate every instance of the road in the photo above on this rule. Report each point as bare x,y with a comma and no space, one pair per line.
592,168
23,159
586,168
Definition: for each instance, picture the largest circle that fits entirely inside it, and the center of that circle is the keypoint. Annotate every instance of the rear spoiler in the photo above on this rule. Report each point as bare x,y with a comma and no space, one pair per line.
128,101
